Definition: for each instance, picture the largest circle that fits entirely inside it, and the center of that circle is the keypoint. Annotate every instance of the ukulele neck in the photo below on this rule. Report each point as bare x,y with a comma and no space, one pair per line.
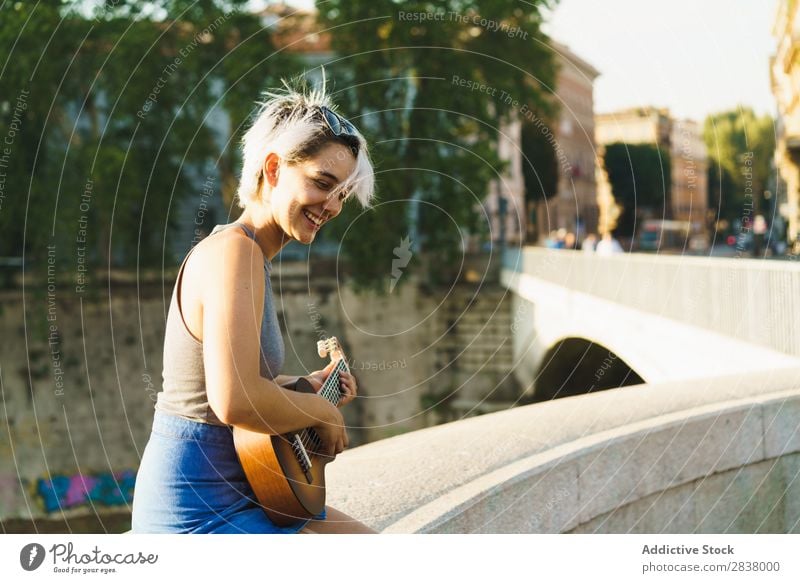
330,388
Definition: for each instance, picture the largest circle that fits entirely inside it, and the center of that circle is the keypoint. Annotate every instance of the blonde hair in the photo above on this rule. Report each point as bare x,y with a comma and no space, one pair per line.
289,123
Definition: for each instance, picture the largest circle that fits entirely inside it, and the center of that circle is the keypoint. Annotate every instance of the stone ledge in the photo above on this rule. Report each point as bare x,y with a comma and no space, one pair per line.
464,476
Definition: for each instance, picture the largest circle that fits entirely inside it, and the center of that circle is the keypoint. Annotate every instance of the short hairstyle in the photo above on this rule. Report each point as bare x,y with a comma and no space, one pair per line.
288,122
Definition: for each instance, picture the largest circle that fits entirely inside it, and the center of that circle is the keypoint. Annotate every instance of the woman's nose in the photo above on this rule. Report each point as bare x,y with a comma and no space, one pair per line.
333,205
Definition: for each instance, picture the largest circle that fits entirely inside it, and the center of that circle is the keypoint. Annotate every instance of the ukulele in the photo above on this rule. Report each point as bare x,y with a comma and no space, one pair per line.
285,471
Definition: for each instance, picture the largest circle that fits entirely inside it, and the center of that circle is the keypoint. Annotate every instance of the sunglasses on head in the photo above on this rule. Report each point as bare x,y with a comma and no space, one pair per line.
337,124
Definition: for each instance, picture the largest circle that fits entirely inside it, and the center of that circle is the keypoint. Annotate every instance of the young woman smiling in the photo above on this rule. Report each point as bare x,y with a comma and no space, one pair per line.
223,350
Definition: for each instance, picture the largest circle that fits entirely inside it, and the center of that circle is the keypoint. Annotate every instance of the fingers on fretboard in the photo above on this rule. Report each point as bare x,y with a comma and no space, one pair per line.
331,388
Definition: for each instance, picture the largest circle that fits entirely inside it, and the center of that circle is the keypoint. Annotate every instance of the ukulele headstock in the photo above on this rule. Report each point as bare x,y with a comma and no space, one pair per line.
330,347
327,346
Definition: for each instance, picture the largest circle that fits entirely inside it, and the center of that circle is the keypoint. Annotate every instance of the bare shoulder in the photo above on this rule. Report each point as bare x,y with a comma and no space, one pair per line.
227,259
229,246
222,266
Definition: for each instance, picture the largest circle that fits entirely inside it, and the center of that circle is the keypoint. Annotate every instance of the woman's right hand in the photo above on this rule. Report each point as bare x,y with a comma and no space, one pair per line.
331,431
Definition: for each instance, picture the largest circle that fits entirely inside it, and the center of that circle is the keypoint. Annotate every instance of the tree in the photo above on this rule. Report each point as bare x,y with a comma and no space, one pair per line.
740,147
539,168
429,84
117,126
640,178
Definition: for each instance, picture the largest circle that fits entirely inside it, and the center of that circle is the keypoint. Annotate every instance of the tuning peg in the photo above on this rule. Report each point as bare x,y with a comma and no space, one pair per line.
322,348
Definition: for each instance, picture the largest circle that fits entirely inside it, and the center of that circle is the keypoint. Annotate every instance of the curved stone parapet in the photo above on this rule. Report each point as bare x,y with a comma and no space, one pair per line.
710,455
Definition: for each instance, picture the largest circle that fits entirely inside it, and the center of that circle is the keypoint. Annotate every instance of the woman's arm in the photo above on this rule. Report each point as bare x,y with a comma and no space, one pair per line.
284,380
233,304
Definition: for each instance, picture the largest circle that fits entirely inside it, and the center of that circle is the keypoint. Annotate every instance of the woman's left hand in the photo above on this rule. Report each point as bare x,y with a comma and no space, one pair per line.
349,386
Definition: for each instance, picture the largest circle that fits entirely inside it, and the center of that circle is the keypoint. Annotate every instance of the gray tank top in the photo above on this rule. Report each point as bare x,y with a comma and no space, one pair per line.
184,387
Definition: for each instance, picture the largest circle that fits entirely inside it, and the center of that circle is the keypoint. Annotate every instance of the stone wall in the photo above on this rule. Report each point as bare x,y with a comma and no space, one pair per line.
79,375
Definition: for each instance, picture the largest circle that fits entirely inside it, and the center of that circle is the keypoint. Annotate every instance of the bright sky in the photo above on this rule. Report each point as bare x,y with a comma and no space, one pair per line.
693,56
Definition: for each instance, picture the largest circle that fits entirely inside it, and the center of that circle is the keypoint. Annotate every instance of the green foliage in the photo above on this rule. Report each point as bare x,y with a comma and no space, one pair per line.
406,77
640,178
539,169
738,142
121,98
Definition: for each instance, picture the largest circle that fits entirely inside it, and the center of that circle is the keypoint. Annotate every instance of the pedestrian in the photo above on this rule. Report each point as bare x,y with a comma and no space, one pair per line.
608,245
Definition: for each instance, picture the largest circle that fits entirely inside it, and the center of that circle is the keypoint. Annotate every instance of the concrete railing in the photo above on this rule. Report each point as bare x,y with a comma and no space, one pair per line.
756,301
713,455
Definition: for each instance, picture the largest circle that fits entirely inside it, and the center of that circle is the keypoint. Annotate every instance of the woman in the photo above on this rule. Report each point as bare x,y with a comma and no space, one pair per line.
223,348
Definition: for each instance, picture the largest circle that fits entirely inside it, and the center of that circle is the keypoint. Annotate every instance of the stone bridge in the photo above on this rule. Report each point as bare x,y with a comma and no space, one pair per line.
702,435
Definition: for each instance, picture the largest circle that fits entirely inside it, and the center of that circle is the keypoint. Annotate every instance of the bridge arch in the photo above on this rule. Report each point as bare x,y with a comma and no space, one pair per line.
668,319
577,366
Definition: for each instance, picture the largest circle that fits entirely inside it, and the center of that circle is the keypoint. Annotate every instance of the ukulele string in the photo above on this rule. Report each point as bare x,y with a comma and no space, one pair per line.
307,438
328,392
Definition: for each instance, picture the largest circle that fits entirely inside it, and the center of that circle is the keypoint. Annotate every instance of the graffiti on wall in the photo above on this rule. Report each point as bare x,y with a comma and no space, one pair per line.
109,489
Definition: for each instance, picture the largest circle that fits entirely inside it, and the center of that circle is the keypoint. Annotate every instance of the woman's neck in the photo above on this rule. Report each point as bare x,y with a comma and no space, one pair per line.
269,235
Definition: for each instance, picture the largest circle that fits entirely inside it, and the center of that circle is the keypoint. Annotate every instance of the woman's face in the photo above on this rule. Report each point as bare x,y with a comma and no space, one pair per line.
301,200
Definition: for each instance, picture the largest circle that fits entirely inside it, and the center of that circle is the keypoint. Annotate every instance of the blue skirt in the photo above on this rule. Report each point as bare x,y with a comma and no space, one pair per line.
190,481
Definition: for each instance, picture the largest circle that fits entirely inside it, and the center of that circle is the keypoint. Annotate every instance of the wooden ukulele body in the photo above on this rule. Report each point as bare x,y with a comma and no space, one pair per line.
279,482
286,490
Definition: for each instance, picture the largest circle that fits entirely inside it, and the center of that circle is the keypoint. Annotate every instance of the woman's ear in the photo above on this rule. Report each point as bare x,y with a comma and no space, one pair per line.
271,168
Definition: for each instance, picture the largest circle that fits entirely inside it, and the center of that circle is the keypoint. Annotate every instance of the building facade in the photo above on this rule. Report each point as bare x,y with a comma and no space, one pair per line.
572,207
785,75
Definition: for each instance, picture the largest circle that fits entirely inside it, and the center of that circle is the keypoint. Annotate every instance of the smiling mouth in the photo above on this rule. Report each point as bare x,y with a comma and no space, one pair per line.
313,219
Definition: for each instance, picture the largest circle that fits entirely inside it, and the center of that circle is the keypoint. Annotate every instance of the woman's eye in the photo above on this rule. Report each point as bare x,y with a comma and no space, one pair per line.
322,184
